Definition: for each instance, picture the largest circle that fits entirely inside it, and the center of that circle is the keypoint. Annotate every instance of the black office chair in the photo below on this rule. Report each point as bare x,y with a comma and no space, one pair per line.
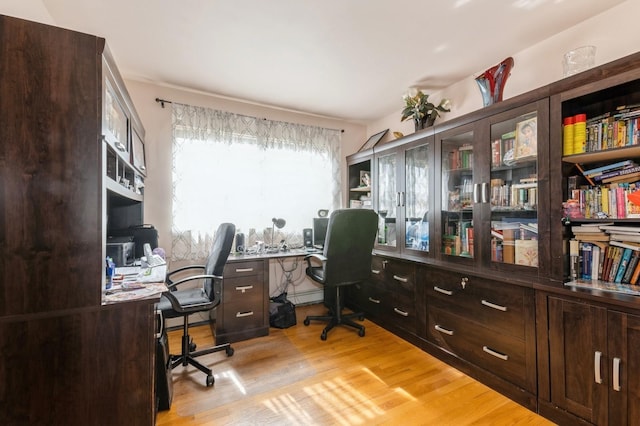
345,260
182,303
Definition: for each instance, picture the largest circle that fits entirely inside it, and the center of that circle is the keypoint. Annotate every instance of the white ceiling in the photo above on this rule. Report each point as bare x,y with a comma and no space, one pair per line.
349,59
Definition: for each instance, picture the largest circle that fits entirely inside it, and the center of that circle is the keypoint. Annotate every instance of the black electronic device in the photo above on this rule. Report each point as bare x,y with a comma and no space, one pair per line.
240,244
121,251
319,231
307,236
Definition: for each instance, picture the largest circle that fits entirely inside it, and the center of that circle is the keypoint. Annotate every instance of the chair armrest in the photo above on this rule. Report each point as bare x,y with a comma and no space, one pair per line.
315,256
173,284
168,279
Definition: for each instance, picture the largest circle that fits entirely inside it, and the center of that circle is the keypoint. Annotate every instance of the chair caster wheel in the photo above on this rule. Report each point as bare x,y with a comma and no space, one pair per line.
210,380
361,333
192,346
306,321
229,351
323,336
361,317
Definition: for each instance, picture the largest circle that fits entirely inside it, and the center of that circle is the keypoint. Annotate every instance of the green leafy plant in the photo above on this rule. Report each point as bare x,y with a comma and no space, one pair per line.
418,107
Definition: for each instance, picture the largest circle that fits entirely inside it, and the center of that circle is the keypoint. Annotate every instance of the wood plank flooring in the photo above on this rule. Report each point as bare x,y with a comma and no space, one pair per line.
291,377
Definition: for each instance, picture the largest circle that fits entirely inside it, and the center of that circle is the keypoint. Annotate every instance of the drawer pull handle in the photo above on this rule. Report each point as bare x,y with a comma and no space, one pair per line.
400,312
375,271
443,291
494,306
494,353
616,374
244,288
401,279
596,367
244,314
244,269
443,330
376,301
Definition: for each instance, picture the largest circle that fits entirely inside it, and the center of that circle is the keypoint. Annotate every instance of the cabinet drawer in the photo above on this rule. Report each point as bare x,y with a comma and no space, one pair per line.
377,269
243,269
503,355
400,279
247,290
493,304
240,316
367,297
402,313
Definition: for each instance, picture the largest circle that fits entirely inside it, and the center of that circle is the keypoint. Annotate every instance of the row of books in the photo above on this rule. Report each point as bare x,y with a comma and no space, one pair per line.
608,252
522,195
514,242
500,147
614,200
458,239
613,130
460,158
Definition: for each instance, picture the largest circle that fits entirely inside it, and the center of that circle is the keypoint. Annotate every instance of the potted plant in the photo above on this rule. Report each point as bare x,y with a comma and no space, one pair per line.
423,112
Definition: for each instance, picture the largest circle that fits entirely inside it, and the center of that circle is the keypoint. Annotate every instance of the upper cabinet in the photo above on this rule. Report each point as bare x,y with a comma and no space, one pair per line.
492,185
403,196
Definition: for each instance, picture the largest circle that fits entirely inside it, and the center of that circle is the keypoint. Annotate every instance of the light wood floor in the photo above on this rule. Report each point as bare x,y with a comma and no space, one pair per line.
291,377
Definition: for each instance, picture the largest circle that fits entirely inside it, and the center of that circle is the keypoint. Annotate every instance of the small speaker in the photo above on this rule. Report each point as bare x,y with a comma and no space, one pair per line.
240,243
307,235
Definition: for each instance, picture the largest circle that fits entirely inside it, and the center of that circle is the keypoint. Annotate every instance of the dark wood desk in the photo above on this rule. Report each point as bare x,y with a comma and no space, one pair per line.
244,311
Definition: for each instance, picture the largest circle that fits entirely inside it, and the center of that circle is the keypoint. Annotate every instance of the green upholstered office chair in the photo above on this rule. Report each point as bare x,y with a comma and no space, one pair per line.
182,303
345,260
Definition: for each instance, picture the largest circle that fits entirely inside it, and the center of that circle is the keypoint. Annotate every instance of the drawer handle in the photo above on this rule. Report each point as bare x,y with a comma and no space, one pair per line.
372,300
443,330
443,291
244,288
401,279
399,312
244,314
616,374
494,353
244,269
494,306
375,271
596,367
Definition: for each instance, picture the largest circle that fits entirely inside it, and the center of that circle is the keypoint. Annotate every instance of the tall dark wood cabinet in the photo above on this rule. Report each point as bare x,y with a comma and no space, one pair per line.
65,358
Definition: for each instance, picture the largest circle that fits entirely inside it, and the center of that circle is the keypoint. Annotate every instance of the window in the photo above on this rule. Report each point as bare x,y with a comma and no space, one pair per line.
245,170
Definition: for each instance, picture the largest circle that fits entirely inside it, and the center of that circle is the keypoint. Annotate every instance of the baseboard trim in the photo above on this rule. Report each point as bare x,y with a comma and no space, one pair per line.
306,297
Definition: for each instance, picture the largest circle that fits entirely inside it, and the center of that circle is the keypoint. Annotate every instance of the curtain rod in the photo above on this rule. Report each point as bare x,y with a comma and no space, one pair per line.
164,101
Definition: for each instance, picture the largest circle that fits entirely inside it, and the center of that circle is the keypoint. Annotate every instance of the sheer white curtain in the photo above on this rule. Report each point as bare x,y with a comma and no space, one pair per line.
246,170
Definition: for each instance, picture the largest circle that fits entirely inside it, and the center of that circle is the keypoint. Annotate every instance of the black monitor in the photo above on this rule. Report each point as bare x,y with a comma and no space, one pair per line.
319,231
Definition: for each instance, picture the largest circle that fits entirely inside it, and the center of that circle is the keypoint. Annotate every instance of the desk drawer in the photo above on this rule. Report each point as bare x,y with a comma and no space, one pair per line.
240,316
247,290
244,268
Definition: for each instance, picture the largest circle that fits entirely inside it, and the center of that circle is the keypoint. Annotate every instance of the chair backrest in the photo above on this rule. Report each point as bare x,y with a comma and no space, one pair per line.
349,245
220,249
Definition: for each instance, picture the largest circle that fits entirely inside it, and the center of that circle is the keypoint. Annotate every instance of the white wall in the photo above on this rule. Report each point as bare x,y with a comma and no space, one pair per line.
614,33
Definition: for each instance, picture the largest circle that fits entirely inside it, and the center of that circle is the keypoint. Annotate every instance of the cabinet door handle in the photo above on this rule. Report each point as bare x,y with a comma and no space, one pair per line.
616,374
494,306
397,199
160,320
376,301
596,367
400,312
244,269
244,314
476,196
375,271
401,279
495,353
244,288
484,193
443,330
120,146
402,199
443,291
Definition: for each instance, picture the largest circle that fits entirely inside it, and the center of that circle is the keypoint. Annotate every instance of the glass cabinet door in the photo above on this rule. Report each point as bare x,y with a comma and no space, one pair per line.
416,198
513,191
387,199
457,202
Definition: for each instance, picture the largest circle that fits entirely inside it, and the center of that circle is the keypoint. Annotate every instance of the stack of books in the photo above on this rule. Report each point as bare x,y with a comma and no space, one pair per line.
609,253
